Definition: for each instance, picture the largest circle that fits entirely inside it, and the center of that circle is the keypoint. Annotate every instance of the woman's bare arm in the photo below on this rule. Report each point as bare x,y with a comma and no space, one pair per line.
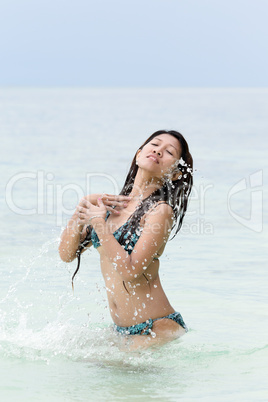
155,233
71,237
75,232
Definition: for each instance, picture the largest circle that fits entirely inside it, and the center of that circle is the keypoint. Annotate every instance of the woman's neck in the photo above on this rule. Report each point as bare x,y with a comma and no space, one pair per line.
144,185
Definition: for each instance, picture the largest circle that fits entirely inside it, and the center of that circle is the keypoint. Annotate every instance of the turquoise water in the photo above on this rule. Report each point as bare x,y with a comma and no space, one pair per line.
59,144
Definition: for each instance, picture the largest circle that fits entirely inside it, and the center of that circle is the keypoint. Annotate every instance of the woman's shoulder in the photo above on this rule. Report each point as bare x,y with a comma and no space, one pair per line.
160,212
161,207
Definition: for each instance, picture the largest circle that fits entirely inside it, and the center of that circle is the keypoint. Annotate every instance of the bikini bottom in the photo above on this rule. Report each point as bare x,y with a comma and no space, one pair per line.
145,328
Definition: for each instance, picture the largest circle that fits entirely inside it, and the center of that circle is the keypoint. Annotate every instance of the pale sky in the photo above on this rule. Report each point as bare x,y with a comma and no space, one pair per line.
134,43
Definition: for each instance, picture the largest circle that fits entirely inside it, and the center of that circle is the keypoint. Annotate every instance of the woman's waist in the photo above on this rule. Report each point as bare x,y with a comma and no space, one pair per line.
142,293
128,313
130,320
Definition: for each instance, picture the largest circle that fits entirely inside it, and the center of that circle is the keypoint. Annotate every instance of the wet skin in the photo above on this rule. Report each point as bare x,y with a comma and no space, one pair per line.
132,281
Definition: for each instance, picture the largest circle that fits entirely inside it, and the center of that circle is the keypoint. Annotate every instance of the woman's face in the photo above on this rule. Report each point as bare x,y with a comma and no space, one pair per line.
160,156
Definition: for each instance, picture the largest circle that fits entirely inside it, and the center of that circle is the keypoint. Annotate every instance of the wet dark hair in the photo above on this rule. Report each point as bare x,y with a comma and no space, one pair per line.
175,193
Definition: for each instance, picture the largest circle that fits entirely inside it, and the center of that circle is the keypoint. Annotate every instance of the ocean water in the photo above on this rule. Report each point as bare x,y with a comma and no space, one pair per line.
60,144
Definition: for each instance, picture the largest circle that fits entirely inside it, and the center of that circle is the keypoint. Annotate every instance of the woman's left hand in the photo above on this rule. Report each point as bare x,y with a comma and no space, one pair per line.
86,211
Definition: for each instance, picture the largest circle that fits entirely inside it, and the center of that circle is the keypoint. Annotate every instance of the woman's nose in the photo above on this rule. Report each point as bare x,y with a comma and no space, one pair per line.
157,152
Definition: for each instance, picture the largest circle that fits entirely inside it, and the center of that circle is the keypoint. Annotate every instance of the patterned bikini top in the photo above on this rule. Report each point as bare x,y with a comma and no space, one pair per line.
123,235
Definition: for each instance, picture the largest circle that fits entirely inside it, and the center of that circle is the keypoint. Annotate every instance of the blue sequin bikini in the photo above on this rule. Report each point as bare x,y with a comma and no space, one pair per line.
122,235
145,328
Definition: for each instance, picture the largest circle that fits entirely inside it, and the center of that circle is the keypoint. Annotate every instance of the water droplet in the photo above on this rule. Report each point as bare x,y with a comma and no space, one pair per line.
143,305
155,286
147,295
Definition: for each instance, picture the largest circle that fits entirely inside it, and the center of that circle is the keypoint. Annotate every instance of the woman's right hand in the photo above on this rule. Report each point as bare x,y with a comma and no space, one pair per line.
113,203
75,231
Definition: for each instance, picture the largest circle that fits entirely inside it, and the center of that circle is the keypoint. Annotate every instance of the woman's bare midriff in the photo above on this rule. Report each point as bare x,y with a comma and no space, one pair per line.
134,302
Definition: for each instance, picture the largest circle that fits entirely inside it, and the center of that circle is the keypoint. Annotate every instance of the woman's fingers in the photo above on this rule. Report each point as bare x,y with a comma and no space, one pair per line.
112,210
111,203
119,204
116,201
85,203
116,197
81,218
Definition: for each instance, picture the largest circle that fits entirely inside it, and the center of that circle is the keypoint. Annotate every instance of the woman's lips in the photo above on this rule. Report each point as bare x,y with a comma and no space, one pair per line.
154,158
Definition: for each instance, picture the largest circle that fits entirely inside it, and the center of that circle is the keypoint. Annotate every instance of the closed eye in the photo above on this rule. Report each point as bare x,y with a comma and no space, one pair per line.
156,145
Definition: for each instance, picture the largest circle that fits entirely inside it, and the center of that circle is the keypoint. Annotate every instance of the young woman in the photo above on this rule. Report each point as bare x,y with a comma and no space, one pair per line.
130,232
